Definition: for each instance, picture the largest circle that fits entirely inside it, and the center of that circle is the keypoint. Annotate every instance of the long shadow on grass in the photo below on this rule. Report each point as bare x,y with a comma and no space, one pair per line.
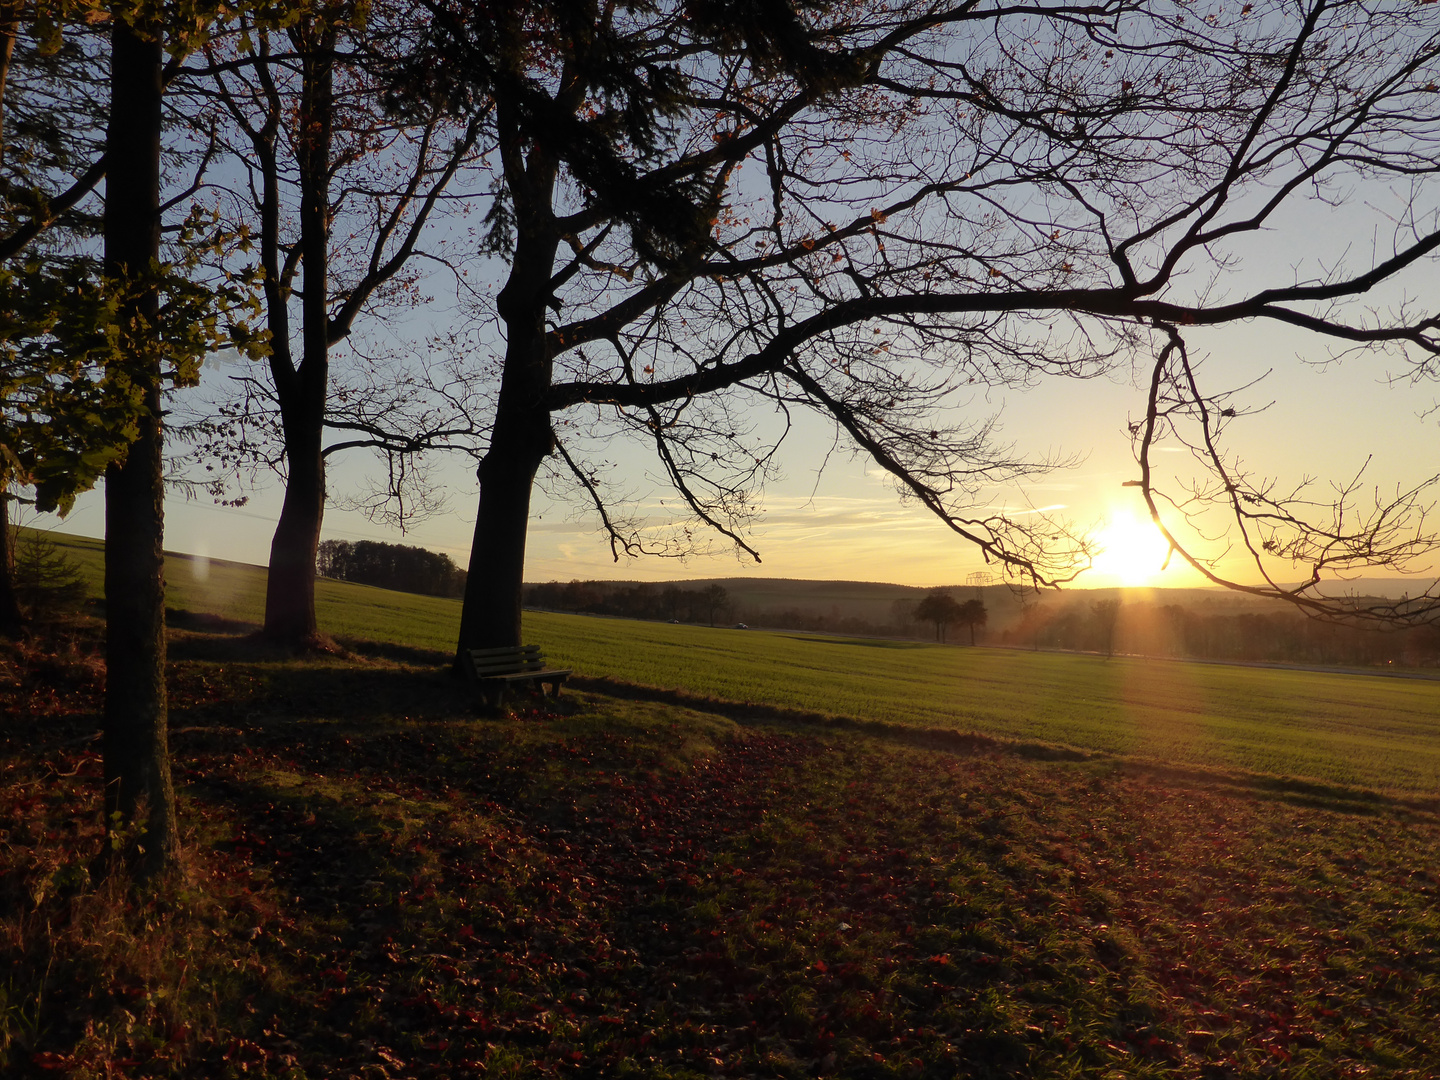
339,876
211,637
447,909
863,643
250,686
1301,792
448,874
206,622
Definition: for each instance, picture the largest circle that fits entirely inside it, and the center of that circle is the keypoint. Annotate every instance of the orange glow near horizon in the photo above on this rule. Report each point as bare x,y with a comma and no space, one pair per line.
1132,551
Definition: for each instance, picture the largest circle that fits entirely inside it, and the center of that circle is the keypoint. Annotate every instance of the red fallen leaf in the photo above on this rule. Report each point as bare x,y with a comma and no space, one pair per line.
245,1050
46,1059
821,966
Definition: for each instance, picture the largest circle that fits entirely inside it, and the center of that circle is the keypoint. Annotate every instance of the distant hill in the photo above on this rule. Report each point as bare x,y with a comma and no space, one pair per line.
774,601
1394,588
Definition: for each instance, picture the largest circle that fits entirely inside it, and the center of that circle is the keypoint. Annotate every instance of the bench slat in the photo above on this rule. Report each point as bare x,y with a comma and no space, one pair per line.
506,669
507,650
492,670
528,676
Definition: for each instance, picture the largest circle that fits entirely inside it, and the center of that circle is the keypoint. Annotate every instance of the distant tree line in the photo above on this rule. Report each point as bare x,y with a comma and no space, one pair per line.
941,609
1175,630
390,566
833,621
631,600
712,604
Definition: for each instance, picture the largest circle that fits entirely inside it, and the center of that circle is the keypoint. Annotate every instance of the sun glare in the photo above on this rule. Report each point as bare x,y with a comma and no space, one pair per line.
1132,551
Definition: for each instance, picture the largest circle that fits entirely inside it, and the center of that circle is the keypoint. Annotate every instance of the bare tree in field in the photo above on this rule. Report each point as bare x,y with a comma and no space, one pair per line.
716,601
940,608
973,614
718,214
339,196
1106,616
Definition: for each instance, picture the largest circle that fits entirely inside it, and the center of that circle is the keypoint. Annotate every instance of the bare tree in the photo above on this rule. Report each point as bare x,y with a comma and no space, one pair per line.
1106,616
342,195
716,601
863,210
1301,532
973,614
940,608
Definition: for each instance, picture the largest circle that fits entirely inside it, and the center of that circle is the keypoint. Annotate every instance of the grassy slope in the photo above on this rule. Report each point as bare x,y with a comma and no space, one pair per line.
379,886
1371,731
237,591
1368,730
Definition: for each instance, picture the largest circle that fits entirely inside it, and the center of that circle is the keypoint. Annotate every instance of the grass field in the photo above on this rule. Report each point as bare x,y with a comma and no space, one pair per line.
1368,731
379,883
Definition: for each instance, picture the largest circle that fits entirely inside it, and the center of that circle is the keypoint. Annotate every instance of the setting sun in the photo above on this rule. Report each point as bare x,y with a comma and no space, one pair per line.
1131,550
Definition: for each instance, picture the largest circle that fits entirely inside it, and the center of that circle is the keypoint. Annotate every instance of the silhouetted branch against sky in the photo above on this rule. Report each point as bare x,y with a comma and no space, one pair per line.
868,210
1340,530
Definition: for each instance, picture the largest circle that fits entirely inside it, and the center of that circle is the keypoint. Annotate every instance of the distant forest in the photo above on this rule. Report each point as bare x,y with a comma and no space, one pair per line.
1103,622
713,603
665,603
390,566
1157,629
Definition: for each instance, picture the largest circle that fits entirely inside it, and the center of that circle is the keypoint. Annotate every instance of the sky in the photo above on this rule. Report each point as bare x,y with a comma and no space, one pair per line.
836,516
846,521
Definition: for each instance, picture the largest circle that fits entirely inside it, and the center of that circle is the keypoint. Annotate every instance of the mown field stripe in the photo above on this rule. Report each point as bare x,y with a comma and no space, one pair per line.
1360,731
1353,730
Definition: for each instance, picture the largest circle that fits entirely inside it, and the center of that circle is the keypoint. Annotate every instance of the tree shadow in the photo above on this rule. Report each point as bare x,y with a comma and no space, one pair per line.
1299,792
205,622
863,643
323,689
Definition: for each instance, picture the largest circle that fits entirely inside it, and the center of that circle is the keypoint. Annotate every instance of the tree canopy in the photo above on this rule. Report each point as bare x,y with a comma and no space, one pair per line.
713,213
390,566
940,608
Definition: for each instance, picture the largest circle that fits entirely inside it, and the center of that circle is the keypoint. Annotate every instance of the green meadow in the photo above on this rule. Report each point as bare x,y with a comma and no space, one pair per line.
1364,730
721,853
1373,731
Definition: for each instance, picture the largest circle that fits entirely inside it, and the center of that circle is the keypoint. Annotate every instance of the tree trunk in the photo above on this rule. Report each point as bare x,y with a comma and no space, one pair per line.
490,617
12,618
521,439
290,585
139,795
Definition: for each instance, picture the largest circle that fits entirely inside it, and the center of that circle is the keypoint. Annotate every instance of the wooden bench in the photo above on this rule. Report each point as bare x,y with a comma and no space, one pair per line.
495,670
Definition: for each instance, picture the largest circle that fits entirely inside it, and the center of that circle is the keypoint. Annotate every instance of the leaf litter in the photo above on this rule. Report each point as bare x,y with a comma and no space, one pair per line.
378,883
